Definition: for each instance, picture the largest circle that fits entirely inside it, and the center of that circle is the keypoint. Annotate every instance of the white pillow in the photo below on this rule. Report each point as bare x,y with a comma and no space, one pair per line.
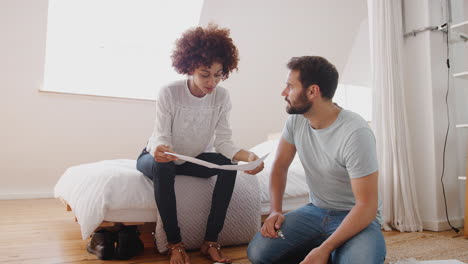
296,185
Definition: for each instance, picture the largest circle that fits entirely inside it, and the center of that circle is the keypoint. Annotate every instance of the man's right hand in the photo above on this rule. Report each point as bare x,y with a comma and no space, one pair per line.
160,156
271,224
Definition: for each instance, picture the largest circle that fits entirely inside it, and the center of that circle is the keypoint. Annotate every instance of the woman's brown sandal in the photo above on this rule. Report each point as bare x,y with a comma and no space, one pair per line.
206,247
180,247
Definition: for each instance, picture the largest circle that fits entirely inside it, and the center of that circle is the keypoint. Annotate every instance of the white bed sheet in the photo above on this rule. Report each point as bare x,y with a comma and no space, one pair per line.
92,190
289,204
296,193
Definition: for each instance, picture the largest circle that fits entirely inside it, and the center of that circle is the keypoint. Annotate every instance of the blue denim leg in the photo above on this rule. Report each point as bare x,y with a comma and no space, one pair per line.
303,231
367,247
308,227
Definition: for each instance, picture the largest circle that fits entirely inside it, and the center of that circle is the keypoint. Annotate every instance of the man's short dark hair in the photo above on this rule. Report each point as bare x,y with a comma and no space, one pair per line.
316,70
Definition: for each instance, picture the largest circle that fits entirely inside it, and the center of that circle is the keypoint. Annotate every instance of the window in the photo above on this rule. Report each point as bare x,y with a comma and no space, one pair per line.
355,98
355,90
117,48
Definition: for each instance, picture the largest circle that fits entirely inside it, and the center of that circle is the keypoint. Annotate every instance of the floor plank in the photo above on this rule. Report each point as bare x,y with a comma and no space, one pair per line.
41,231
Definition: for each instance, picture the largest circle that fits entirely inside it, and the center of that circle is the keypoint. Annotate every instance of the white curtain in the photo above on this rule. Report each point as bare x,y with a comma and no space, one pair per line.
389,120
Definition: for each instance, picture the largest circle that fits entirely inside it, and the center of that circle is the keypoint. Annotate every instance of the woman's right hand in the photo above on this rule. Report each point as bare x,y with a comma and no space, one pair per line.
160,156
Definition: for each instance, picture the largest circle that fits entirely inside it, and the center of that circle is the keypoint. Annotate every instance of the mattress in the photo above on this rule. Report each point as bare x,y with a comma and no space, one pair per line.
296,193
289,204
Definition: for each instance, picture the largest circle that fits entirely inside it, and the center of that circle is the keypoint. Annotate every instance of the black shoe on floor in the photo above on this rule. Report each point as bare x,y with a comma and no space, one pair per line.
102,244
129,243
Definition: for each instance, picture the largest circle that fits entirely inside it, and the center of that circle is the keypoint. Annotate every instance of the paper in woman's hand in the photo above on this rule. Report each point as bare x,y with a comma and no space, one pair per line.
243,167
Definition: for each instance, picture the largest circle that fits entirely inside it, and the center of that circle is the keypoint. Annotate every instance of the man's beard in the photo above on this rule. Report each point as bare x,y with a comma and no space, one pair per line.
300,109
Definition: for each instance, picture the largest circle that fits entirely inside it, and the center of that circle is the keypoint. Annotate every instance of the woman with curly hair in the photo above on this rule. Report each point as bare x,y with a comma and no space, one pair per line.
192,117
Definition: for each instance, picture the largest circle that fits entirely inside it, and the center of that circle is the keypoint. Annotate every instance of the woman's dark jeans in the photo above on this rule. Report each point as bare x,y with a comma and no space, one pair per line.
163,174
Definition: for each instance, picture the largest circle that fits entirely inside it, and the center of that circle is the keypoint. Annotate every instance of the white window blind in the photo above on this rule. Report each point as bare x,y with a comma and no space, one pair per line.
117,48
355,98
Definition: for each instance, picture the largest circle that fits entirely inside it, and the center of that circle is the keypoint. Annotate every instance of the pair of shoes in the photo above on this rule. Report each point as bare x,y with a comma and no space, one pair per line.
129,243
102,244
206,247
122,244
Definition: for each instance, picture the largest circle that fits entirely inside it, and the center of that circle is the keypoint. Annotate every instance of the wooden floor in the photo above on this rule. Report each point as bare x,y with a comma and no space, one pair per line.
42,231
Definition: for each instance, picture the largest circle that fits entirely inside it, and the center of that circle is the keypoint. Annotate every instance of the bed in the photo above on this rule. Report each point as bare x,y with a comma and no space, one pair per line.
296,193
113,191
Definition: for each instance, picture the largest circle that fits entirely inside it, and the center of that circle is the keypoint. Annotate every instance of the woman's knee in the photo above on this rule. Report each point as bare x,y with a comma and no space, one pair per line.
222,160
155,170
145,164
163,170
229,174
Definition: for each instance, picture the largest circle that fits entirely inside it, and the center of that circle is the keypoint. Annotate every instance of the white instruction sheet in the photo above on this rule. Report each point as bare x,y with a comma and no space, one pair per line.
242,167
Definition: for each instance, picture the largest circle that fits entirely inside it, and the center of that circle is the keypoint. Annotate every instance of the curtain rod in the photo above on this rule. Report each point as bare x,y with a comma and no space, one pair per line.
442,28
429,28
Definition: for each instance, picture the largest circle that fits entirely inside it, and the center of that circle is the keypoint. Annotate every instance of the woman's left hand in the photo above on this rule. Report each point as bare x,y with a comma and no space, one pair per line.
253,157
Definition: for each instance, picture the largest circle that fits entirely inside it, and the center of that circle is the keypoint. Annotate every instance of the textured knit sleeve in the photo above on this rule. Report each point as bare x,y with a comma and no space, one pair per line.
223,133
162,133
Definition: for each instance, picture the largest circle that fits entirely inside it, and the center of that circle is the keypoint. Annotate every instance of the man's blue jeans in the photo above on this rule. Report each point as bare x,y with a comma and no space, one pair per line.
308,227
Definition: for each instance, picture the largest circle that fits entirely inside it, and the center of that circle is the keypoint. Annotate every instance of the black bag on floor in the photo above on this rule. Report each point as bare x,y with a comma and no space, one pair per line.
129,243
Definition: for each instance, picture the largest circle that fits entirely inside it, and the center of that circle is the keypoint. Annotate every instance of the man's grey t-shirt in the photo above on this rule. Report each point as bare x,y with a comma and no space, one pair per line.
332,156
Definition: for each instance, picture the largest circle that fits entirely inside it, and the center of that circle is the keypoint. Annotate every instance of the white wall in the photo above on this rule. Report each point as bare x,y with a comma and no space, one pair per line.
459,61
268,33
44,133
426,84
357,70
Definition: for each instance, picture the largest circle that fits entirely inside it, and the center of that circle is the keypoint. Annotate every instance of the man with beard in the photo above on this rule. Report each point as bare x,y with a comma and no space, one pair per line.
337,149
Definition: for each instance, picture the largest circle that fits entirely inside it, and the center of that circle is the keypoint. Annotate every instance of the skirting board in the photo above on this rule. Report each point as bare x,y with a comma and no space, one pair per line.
442,225
17,196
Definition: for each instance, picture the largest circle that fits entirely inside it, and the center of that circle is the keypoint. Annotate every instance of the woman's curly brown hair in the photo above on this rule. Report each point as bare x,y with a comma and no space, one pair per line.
202,47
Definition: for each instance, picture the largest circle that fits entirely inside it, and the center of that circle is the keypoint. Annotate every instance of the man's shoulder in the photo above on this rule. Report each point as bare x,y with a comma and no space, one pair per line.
354,127
352,121
296,119
296,122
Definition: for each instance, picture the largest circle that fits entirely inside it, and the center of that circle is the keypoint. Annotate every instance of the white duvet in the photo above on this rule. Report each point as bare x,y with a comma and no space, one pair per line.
93,189
296,185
